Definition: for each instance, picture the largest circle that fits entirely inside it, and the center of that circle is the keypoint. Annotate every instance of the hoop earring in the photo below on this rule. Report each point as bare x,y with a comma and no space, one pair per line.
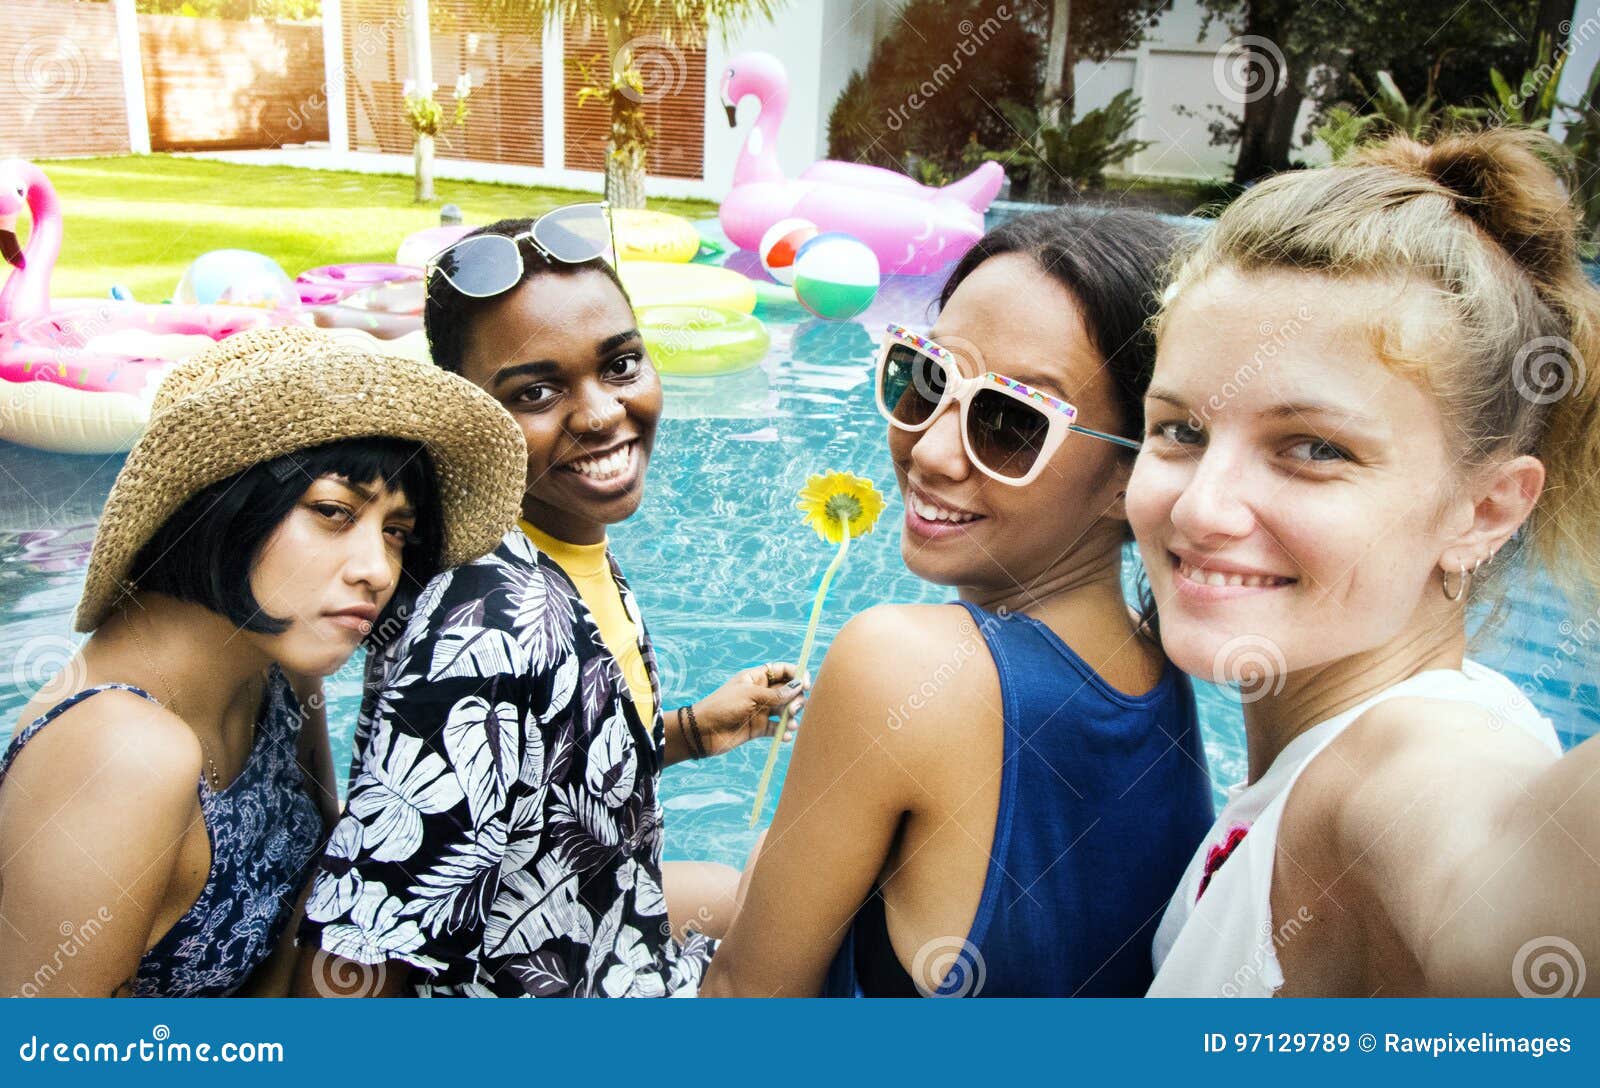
1461,586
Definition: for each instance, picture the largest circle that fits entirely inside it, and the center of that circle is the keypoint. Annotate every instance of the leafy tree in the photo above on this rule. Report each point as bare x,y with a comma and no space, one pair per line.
1332,53
1076,154
972,55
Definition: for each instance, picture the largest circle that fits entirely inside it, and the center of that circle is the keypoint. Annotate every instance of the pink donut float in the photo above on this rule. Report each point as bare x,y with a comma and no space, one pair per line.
81,380
336,282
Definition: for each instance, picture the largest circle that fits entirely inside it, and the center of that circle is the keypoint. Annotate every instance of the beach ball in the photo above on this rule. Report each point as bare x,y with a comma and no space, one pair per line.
836,276
236,277
781,244
419,248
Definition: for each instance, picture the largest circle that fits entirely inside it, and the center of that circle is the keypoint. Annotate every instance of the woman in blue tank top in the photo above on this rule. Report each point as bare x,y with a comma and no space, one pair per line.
995,797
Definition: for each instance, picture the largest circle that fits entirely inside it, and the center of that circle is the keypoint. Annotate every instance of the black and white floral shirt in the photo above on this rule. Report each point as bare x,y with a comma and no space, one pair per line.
503,831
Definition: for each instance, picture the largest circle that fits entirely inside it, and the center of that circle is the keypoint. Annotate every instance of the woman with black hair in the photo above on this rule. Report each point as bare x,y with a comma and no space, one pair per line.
994,797
165,793
528,678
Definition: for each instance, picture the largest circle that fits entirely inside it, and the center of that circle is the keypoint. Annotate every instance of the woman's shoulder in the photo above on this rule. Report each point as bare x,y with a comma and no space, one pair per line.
106,745
1397,755
917,661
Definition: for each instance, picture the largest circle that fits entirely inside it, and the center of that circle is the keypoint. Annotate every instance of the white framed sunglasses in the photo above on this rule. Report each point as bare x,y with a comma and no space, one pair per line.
486,265
1008,429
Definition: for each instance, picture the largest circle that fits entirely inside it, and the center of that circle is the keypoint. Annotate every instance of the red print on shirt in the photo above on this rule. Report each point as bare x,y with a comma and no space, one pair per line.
1219,854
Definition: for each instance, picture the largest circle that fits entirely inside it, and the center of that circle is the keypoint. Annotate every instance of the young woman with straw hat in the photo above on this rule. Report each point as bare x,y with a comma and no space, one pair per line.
288,499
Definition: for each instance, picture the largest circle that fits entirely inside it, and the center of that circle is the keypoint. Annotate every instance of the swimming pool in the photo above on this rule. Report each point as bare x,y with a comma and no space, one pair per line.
723,567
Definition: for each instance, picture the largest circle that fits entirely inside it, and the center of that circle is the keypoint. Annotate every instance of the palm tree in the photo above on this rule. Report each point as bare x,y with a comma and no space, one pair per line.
668,26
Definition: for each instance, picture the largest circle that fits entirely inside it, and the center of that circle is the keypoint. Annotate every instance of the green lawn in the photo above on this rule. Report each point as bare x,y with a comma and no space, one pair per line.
139,220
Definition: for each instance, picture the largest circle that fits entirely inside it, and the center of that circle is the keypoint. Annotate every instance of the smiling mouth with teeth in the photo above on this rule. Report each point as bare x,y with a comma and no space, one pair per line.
1203,577
929,512
605,467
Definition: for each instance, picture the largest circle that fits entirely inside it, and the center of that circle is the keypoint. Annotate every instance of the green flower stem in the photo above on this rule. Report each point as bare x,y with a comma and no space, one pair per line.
805,659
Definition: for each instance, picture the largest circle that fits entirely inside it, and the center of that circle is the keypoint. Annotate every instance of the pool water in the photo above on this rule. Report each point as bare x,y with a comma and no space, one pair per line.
722,564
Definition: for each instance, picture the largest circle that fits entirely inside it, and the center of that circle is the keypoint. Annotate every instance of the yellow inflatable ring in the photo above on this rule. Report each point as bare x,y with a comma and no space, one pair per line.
699,341
654,236
661,283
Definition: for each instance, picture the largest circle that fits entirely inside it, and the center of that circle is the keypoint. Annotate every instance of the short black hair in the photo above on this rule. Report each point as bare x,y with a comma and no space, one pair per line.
447,314
205,551
1114,262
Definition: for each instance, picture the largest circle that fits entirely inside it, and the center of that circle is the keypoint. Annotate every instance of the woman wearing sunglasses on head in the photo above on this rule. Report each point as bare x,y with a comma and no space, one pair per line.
504,831
1409,827
164,796
994,797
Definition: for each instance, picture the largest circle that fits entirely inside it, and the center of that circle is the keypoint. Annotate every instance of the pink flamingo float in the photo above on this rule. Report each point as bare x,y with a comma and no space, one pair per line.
914,229
78,376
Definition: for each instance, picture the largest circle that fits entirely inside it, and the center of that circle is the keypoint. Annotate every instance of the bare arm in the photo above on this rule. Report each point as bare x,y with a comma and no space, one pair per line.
91,817
1482,850
850,781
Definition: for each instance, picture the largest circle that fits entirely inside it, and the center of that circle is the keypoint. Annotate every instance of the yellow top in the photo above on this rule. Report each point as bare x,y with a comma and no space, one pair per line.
586,565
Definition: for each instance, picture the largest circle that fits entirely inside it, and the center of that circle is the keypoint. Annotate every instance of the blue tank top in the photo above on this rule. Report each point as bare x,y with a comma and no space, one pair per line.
264,828
1103,799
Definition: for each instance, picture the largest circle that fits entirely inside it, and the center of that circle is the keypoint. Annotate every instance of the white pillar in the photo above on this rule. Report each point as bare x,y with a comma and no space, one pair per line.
1583,45
132,77
552,61
419,43
334,75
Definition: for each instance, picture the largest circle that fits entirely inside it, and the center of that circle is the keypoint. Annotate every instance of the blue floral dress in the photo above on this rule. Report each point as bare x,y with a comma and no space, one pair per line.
503,833
265,830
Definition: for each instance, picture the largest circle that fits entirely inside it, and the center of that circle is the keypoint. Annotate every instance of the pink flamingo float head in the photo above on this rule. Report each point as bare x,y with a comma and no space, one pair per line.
23,186
914,229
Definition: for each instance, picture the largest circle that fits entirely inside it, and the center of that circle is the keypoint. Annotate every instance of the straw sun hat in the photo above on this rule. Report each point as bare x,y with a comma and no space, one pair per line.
269,392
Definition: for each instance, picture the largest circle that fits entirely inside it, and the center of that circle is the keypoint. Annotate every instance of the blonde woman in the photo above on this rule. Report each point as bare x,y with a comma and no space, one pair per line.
1353,424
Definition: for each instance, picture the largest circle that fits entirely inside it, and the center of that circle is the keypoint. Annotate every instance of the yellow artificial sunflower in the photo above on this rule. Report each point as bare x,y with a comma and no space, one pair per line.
834,499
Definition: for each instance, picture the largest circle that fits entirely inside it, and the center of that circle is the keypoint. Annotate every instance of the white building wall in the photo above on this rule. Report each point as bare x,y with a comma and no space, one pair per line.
1175,74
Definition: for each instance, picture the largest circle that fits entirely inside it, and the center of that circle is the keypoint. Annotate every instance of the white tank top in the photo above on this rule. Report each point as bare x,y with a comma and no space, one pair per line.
1218,937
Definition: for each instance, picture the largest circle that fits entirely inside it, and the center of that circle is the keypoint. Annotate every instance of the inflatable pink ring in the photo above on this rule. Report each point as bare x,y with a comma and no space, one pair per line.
334,282
81,380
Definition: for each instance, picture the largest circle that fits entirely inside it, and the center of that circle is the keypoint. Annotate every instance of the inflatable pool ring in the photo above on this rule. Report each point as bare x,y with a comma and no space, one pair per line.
700,341
236,277
654,236
386,310
419,248
781,244
836,276
662,283
81,380
335,282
